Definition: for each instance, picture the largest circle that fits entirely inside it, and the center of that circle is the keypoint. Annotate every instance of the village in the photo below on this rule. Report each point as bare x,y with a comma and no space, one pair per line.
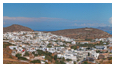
42,47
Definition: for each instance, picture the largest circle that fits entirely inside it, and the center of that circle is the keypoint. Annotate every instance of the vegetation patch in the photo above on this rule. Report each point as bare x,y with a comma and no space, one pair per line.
5,44
22,58
35,61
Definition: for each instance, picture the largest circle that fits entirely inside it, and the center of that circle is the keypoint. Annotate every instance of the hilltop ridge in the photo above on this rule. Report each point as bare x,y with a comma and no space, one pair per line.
83,33
16,27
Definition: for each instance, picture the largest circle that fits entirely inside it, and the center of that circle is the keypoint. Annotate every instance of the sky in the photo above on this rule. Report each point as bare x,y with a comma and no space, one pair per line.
57,16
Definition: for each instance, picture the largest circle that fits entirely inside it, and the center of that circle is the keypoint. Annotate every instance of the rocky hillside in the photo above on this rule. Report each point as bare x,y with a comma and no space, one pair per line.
16,27
82,33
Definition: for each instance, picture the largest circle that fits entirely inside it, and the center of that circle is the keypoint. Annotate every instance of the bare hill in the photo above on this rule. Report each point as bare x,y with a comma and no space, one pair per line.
83,33
16,27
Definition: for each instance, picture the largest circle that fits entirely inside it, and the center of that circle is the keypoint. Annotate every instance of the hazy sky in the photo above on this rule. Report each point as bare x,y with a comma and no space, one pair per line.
54,16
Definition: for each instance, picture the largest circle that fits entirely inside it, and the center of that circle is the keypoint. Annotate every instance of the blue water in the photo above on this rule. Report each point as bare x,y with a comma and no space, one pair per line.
110,32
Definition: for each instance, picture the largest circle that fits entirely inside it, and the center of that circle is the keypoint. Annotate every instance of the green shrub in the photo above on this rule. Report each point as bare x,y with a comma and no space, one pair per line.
88,54
57,62
55,57
62,62
85,62
26,54
68,60
22,58
74,47
40,52
63,59
98,51
74,62
110,58
48,57
35,61
18,55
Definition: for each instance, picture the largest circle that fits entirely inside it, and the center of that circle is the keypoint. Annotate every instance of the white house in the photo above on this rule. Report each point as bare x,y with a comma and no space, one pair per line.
70,56
101,47
73,42
42,62
60,55
13,47
84,42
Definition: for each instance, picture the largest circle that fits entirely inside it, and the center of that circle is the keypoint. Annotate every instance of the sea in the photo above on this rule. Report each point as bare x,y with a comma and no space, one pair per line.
110,32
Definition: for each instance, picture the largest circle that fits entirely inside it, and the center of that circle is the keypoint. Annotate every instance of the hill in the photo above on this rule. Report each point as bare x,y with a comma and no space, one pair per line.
16,27
82,33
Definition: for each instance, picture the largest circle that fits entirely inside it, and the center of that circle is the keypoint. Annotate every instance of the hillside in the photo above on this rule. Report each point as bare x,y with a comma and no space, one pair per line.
16,27
7,57
82,33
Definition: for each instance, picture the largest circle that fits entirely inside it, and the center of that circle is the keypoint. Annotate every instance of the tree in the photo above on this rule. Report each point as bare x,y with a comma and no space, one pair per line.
48,58
62,62
18,55
74,62
88,48
68,60
88,54
97,51
26,54
51,57
56,62
34,54
14,48
55,57
63,59
21,58
101,42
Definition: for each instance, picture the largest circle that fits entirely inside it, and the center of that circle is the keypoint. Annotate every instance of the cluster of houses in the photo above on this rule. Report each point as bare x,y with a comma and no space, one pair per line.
26,41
